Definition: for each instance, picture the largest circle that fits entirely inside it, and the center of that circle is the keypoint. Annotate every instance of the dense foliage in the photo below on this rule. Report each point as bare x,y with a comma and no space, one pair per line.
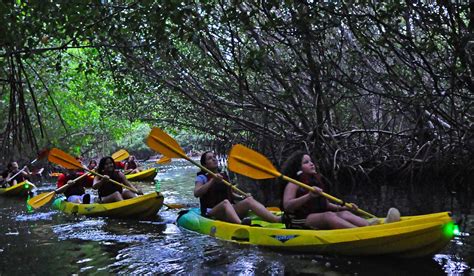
376,91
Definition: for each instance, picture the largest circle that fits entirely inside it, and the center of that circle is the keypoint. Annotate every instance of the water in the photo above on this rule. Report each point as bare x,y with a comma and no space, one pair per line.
48,242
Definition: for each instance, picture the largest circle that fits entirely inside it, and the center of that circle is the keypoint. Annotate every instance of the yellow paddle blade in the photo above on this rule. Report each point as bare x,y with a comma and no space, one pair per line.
161,142
63,159
40,199
163,160
120,155
250,163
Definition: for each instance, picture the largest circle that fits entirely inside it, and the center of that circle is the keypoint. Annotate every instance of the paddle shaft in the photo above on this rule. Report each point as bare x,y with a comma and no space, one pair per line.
51,194
301,184
113,181
8,180
202,167
213,174
58,189
328,196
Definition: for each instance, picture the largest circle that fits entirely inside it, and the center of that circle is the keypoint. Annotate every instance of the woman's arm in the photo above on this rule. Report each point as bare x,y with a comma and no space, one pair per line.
99,181
125,181
337,208
201,189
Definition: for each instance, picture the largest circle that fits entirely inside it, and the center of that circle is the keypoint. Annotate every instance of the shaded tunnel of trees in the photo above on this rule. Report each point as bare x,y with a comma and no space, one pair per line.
378,93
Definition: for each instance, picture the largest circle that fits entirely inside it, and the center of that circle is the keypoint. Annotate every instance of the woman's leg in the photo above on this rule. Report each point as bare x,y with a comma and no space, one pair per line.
327,220
116,196
126,194
251,204
225,211
354,219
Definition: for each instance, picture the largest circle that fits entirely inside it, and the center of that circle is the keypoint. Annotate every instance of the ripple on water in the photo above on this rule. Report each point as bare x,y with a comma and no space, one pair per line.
168,254
91,230
36,216
452,264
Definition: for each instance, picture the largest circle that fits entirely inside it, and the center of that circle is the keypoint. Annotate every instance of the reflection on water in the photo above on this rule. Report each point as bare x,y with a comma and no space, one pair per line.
47,242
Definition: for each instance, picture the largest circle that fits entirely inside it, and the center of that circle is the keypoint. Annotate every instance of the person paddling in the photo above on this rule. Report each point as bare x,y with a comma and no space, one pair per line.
216,198
108,191
131,165
16,176
74,190
305,209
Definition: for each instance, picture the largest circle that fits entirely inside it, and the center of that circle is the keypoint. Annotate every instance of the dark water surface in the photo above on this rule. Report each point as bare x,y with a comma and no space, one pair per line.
47,242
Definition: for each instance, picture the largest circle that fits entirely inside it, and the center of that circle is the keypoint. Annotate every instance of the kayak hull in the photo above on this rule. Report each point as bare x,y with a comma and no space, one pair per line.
414,236
141,207
21,189
146,175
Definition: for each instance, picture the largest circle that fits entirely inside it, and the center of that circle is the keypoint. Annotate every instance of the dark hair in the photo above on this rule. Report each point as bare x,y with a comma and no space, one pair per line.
203,157
10,165
100,169
93,161
290,168
203,162
293,164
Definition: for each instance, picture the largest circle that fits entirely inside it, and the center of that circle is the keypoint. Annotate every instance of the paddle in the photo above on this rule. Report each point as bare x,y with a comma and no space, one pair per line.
40,155
163,160
63,159
120,155
37,171
252,164
161,142
44,198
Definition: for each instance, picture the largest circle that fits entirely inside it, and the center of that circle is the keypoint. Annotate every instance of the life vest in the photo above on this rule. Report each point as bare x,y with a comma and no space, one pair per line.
77,188
131,165
315,205
215,194
119,165
109,188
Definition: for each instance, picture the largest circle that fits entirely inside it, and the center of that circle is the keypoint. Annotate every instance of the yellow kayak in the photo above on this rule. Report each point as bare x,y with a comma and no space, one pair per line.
146,175
413,236
20,189
141,207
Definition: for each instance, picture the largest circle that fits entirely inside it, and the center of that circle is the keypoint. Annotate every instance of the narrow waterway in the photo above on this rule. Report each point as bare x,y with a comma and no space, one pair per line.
46,242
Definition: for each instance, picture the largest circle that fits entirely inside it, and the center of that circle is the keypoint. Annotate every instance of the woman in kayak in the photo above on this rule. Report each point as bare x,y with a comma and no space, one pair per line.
216,198
16,176
131,166
73,189
305,209
107,190
92,164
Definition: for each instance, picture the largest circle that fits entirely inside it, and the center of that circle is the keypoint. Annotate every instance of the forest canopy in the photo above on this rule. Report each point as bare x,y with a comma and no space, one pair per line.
373,90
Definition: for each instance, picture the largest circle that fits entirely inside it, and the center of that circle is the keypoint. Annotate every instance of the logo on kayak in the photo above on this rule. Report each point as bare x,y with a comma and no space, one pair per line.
284,238
213,231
